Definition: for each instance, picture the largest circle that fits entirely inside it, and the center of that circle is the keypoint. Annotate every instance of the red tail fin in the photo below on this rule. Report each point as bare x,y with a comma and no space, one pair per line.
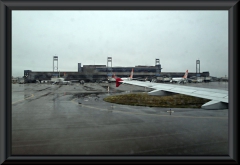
117,82
131,76
186,74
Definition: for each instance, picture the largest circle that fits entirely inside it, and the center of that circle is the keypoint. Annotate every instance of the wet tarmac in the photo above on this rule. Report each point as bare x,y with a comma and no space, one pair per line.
74,120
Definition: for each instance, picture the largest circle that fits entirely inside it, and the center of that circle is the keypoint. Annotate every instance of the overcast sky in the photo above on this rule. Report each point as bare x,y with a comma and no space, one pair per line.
177,38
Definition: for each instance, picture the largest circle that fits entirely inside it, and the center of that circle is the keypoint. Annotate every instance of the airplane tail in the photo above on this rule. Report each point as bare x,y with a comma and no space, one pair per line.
131,76
186,74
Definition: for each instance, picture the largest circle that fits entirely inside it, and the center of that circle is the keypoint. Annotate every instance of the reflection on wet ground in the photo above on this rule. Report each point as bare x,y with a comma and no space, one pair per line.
74,119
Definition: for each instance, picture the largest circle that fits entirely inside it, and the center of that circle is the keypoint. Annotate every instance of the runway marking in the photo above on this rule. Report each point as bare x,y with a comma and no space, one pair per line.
118,111
23,99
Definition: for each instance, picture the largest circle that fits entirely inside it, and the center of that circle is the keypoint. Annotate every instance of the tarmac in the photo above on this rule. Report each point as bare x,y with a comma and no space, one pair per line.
74,120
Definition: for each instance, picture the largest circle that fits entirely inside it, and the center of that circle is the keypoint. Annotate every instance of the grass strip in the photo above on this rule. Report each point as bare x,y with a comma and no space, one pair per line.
143,99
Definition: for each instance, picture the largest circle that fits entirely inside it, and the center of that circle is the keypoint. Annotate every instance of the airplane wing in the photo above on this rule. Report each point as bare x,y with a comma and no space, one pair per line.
219,98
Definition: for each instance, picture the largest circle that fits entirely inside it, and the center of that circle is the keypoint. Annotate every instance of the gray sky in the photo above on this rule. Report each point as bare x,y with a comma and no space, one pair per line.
177,38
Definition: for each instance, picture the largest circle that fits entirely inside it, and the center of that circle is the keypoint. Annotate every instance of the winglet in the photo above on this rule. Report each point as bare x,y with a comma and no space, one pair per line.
118,83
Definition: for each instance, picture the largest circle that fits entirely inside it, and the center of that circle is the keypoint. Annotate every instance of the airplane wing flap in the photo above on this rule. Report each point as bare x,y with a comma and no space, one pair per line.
205,96
181,90
215,94
201,94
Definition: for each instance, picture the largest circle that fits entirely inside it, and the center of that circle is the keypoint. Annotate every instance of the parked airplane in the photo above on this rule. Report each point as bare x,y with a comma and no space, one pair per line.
60,81
180,79
199,80
219,98
66,82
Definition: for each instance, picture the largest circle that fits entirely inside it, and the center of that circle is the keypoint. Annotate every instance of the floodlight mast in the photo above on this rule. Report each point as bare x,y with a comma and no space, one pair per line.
55,68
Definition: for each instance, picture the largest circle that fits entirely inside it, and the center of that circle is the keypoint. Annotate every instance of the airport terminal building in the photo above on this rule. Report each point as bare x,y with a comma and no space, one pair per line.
97,73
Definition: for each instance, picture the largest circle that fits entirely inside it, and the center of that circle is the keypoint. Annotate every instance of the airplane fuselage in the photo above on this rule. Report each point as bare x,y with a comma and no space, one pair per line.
180,79
177,79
